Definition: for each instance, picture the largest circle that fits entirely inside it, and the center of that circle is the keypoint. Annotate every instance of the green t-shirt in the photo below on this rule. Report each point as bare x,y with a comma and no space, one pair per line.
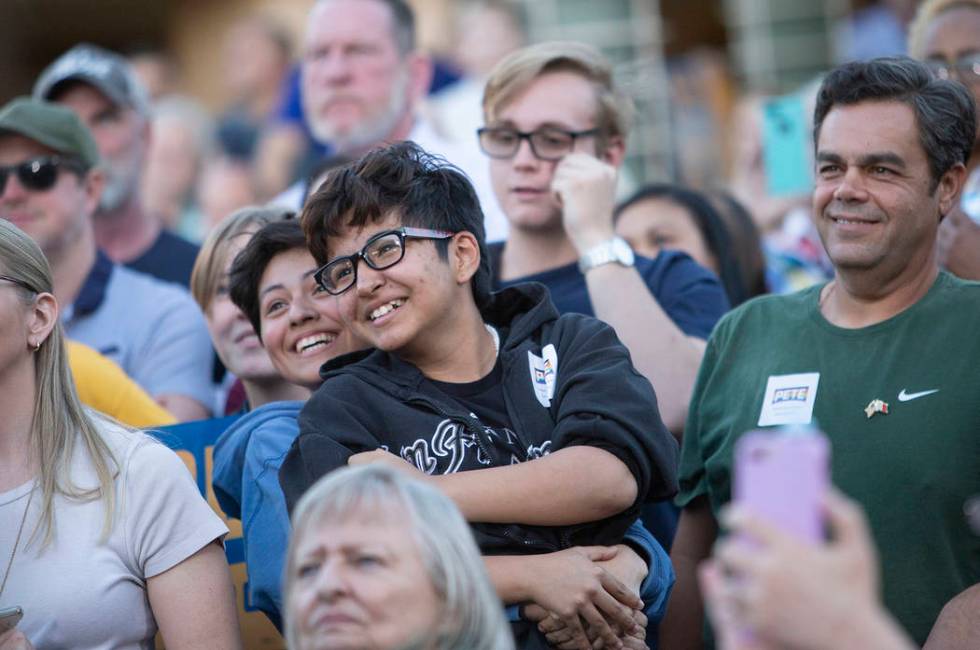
912,468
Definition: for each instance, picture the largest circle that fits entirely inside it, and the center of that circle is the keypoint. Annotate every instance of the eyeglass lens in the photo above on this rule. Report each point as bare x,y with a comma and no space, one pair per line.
547,144
381,253
966,68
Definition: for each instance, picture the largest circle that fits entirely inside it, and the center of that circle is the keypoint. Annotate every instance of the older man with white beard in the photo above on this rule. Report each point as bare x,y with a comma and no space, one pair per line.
101,88
362,83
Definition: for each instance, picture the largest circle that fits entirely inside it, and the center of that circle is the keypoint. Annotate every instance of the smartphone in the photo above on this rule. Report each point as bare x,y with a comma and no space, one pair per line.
9,618
782,475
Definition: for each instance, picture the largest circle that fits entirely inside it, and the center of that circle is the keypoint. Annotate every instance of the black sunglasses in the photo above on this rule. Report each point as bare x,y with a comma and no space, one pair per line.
38,174
382,251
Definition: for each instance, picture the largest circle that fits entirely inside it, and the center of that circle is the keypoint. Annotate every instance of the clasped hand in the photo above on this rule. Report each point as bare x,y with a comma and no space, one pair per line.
579,604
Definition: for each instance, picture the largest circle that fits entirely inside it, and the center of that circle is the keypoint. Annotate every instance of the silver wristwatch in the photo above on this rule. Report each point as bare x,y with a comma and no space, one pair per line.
613,250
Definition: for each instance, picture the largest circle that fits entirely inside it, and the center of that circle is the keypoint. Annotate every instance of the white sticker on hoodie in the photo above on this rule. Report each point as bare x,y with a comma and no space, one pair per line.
544,373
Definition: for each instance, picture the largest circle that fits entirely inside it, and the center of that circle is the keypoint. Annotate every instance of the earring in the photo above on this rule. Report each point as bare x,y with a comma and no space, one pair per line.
37,346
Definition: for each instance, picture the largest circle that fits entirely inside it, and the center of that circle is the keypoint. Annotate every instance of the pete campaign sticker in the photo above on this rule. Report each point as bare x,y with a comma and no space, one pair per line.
789,399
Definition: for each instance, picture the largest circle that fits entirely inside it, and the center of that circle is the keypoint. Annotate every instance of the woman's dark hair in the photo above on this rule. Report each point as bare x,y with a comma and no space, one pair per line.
709,223
249,265
423,190
746,242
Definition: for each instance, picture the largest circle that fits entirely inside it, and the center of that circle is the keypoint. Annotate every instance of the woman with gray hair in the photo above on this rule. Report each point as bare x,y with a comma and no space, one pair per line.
380,561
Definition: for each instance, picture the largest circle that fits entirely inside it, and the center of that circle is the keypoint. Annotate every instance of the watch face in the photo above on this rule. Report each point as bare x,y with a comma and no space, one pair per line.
623,252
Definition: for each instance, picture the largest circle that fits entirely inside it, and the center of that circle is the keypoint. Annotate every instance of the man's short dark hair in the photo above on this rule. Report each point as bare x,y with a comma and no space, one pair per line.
249,265
944,110
423,190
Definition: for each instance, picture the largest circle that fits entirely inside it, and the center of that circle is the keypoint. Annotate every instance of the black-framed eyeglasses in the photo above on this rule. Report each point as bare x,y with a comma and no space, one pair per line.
966,68
38,174
382,251
19,283
548,143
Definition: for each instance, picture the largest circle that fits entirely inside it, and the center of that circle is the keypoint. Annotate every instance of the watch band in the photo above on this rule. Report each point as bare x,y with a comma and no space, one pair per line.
613,250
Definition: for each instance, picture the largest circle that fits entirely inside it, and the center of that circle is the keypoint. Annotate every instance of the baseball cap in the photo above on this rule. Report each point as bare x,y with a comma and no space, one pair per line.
52,125
109,72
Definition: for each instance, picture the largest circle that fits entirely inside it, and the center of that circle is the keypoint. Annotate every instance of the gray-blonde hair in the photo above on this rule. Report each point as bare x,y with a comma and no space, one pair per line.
927,12
59,419
472,613
213,256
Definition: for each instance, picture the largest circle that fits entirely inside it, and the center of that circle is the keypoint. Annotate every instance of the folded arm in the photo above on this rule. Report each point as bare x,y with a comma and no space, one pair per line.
547,491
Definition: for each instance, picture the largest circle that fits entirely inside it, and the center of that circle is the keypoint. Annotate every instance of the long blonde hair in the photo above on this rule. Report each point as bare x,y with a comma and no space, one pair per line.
59,419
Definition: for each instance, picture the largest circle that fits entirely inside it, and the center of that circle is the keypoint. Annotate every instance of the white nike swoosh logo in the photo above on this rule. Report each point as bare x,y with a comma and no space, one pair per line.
905,397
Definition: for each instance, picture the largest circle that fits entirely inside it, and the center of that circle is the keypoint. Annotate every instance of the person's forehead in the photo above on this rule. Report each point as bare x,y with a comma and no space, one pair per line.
15,147
953,32
660,211
871,126
378,526
352,238
351,21
226,251
560,98
77,93
287,267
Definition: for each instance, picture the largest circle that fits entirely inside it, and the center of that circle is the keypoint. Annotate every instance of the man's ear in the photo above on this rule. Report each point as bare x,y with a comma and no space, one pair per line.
948,189
419,76
94,184
41,319
615,151
464,256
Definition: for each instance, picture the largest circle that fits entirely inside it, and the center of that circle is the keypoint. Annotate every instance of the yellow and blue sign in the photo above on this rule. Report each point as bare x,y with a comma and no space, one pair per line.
194,443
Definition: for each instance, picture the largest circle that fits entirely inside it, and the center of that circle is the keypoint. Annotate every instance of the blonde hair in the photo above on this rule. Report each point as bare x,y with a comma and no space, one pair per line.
59,419
515,72
472,614
213,256
929,11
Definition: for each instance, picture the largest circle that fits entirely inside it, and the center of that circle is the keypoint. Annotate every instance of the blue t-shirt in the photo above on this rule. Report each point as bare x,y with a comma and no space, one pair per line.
690,294
152,329
170,259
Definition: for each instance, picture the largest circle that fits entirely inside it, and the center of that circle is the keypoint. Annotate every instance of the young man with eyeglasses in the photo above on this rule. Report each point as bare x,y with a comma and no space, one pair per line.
555,135
50,184
537,425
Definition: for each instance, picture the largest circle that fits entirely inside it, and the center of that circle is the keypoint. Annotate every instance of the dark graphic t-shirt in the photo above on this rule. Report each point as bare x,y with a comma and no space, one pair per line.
484,397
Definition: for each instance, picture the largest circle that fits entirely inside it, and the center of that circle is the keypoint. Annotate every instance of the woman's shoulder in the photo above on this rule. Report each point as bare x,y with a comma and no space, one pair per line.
134,452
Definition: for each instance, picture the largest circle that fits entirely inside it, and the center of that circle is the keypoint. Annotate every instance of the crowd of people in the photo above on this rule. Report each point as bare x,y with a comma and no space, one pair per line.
478,400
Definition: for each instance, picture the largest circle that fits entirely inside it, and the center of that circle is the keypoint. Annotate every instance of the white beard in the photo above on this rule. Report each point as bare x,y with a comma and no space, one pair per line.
373,130
122,180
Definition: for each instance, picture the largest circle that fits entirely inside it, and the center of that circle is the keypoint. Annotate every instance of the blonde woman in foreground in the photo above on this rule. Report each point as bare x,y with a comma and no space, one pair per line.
104,537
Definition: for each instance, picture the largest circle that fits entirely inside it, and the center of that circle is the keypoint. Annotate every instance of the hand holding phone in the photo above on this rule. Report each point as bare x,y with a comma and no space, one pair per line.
782,476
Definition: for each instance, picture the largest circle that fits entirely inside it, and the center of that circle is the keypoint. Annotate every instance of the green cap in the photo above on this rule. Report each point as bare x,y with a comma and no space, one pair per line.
52,125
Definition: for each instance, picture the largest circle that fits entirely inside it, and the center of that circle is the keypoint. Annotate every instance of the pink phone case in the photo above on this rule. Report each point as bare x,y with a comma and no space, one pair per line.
782,476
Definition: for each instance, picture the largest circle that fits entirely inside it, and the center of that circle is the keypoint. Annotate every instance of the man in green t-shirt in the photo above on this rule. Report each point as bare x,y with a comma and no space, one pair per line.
883,358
